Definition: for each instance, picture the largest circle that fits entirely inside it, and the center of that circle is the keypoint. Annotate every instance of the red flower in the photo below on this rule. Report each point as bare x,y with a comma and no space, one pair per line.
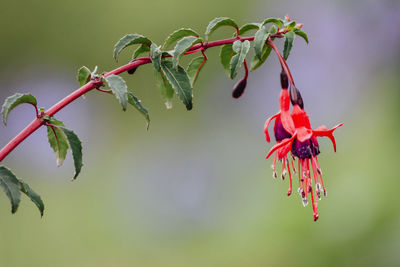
303,144
284,128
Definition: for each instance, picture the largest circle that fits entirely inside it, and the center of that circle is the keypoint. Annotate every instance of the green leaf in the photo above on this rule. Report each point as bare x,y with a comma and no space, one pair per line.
225,56
132,99
277,22
218,22
10,184
241,49
290,25
12,101
181,47
119,89
166,90
141,49
259,41
177,35
273,29
127,40
248,27
289,38
84,75
76,148
301,34
256,62
155,56
194,69
179,81
35,198
58,141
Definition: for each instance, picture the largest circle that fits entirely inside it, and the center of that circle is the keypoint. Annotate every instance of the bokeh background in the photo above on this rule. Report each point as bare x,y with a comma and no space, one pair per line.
196,190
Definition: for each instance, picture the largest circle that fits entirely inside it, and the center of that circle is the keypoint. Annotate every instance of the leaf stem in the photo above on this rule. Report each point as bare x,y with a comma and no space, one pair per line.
200,47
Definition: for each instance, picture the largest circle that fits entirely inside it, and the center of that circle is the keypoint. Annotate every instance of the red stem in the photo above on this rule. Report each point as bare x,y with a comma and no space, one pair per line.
284,65
39,121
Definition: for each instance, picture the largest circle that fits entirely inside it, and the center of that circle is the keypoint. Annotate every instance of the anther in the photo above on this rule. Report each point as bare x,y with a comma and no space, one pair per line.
304,201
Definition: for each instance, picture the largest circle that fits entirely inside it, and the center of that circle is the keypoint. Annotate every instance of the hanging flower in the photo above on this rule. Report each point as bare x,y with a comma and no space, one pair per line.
304,145
284,128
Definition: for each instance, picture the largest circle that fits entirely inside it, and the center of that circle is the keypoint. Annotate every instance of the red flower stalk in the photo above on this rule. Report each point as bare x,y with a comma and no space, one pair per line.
302,142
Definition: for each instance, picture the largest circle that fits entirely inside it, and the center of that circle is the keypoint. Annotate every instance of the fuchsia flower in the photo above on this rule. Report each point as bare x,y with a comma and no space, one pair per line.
293,133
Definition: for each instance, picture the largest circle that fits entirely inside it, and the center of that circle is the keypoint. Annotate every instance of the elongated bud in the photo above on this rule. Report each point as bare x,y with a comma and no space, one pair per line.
295,96
239,88
284,80
132,71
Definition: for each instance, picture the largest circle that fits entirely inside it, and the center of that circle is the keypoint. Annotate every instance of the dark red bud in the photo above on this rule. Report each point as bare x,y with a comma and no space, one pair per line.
239,88
132,71
295,96
284,80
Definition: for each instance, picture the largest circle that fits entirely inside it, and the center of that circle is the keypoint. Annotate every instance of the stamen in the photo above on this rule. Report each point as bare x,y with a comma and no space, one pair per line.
304,201
314,207
274,174
292,159
320,175
316,175
283,170
290,178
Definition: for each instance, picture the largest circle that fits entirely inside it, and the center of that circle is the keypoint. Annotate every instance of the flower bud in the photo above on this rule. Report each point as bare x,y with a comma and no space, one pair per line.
299,26
295,96
239,88
284,80
132,71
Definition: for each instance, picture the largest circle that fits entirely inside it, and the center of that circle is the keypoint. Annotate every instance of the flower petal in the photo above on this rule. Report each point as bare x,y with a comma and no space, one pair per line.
281,144
267,124
322,131
287,122
303,134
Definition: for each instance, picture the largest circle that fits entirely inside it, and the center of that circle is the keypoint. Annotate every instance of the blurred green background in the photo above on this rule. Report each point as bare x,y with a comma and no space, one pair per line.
196,190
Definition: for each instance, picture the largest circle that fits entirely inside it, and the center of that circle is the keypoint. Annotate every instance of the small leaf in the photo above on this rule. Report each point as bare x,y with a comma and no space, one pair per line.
10,184
218,22
12,101
58,141
179,81
289,38
119,89
155,56
259,41
84,75
248,27
225,56
277,22
256,62
302,34
76,148
177,35
35,198
181,47
241,49
132,99
127,40
290,25
166,90
194,69
141,49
